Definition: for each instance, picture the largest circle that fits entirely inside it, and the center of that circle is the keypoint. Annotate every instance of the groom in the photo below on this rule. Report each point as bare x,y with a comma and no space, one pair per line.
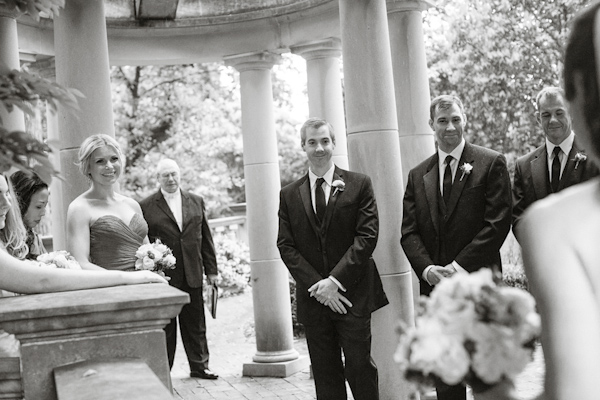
328,229
177,218
457,208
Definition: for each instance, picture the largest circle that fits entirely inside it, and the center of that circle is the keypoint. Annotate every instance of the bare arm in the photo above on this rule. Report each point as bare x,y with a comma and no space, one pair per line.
566,302
22,277
78,235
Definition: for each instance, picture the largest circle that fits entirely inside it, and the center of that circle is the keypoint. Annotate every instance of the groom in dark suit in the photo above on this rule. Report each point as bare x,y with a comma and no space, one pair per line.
177,218
457,208
328,228
557,164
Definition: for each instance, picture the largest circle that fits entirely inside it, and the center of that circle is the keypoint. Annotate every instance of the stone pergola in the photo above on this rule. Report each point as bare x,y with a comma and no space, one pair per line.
380,119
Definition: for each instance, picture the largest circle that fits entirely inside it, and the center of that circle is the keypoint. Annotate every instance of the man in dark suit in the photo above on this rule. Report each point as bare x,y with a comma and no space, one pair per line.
557,164
177,218
457,208
328,228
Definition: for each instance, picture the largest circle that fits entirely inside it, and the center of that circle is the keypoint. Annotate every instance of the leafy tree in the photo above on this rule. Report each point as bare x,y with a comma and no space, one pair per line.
496,55
191,113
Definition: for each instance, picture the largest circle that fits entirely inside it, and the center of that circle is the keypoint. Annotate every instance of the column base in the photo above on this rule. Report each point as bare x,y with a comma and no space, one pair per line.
276,369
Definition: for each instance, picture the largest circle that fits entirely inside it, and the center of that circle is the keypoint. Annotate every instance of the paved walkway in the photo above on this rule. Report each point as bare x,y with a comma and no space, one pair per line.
231,343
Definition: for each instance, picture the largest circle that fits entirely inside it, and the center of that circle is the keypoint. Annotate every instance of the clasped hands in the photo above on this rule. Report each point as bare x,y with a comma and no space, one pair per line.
326,293
438,272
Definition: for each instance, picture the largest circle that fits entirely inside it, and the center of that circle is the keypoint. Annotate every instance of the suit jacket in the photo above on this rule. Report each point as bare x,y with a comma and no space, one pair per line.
342,246
192,247
472,228
532,181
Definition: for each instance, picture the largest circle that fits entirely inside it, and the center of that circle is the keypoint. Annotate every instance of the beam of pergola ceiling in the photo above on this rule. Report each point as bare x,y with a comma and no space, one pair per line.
157,9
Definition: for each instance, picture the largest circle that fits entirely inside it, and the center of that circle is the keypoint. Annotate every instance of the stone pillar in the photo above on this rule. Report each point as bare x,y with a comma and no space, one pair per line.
412,86
275,354
410,81
9,58
81,50
325,98
374,148
47,70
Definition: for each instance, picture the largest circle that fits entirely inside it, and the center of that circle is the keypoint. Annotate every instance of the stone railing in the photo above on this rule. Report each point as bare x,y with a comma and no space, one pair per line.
59,330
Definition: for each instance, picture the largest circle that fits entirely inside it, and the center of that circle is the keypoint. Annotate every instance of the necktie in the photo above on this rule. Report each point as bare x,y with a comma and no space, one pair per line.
555,178
320,199
447,184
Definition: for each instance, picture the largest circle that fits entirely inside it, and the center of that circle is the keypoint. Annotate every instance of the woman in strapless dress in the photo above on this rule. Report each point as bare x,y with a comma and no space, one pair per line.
104,228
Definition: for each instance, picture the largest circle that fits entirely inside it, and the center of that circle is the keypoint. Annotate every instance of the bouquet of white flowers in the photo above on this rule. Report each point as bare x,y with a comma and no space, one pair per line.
58,259
154,257
472,331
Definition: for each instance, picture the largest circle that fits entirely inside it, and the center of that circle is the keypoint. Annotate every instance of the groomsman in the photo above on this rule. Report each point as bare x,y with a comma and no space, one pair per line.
457,208
557,164
328,228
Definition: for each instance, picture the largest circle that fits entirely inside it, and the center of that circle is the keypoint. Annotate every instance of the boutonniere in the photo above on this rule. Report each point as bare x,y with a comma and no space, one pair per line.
466,169
339,185
579,157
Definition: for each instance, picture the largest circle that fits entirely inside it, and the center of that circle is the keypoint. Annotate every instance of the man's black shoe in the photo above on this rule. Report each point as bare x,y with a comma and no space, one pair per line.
204,374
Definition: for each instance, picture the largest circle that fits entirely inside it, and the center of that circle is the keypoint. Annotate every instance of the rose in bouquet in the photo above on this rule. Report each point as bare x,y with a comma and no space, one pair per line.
470,330
155,257
58,259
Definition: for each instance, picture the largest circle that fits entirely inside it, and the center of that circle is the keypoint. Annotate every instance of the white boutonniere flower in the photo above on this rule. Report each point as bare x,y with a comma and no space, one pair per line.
579,157
339,185
466,169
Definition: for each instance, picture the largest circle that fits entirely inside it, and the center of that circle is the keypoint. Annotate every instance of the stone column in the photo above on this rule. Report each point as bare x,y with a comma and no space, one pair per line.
47,70
410,81
412,87
374,148
81,50
275,354
325,98
9,58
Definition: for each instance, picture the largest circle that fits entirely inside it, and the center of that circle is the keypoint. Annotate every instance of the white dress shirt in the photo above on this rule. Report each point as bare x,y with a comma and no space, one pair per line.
174,202
565,146
326,186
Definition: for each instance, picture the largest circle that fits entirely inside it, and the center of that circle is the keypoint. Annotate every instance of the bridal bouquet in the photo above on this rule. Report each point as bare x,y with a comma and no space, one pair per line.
154,257
472,331
58,259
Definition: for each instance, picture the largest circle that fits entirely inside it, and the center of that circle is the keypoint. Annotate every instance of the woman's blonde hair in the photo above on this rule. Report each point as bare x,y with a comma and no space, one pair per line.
93,143
13,236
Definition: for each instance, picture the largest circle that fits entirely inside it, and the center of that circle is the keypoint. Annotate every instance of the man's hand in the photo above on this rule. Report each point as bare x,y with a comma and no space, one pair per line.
212,278
437,273
326,293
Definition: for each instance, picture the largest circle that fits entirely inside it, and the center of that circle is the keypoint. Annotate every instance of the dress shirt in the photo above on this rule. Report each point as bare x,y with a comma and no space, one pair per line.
456,154
565,146
326,187
174,202
328,176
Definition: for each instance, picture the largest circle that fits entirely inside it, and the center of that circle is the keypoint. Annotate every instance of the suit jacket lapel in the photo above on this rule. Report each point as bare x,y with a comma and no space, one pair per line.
539,173
185,209
337,175
305,195
569,176
460,179
431,181
162,204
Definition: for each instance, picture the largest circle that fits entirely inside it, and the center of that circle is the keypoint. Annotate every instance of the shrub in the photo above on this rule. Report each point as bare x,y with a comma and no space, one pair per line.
233,263
514,275
297,327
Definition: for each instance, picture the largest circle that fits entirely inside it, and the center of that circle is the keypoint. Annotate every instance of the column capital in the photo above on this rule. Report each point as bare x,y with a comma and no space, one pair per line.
7,12
325,48
45,68
407,5
252,61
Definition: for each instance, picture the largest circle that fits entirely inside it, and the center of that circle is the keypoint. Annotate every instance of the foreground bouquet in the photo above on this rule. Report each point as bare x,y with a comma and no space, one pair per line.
470,331
58,259
155,257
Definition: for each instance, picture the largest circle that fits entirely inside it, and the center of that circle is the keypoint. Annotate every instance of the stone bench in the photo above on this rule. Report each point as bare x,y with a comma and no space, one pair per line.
59,329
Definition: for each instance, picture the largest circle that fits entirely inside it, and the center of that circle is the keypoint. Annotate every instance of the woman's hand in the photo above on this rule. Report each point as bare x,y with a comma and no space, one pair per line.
144,277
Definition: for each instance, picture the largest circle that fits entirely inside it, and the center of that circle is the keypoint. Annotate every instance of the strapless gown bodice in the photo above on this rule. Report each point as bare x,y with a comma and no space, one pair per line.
113,243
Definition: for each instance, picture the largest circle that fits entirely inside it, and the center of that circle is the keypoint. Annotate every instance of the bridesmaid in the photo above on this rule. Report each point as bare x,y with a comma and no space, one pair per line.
104,228
32,196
